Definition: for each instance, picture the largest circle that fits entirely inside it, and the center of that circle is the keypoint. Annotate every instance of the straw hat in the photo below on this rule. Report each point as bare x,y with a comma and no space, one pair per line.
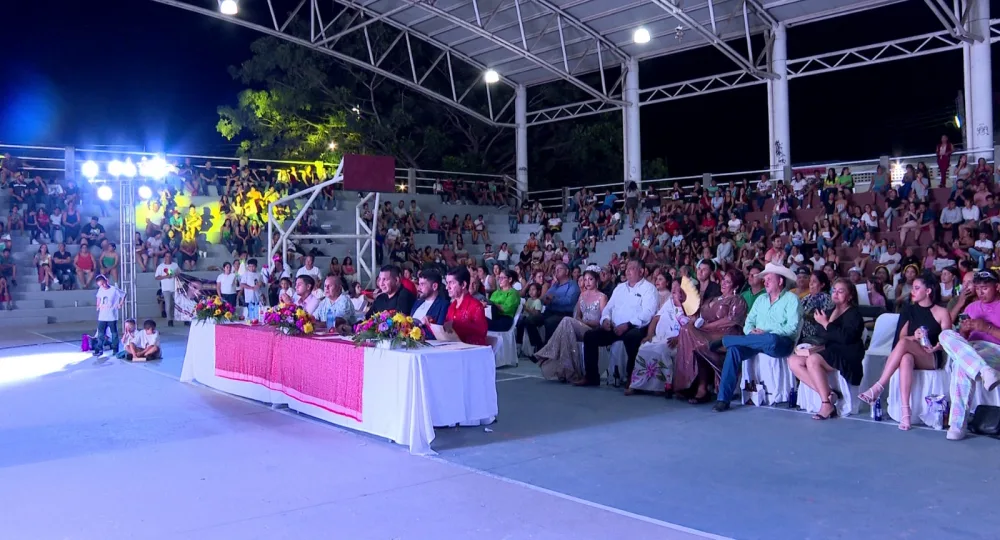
692,302
771,268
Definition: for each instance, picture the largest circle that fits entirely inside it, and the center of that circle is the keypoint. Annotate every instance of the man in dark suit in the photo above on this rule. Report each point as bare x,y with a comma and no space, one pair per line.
432,303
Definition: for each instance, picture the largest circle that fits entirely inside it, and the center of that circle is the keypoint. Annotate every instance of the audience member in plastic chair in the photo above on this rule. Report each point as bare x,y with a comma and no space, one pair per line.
974,350
917,342
625,318
770,328
560,300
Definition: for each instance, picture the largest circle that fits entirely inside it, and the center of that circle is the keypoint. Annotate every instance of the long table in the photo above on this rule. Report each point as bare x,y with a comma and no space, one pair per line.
397,394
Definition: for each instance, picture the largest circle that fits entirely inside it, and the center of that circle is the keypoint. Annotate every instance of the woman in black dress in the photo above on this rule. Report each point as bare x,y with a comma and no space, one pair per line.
920,314
840,330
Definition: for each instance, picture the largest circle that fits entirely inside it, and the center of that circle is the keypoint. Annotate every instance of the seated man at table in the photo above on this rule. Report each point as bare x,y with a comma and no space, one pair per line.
973,350
770,328
393,297
304,286
431,306
335,305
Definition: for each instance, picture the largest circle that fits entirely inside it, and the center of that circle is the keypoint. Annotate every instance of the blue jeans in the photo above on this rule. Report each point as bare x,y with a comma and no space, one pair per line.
102,339
740,348
979,256
512,222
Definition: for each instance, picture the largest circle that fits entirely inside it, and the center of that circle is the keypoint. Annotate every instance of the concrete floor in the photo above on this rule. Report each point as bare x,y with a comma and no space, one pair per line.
123,450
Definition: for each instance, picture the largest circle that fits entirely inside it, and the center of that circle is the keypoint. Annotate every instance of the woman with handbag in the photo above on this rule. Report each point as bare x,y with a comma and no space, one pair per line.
836,346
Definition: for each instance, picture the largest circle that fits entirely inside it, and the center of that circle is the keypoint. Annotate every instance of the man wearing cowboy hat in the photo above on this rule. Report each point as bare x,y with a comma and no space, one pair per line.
770,328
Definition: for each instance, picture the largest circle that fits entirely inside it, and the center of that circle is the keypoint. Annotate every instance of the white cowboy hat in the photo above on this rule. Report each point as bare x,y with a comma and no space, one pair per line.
771,268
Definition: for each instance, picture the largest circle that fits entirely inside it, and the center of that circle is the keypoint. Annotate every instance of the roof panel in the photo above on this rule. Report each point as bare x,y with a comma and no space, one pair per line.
614,20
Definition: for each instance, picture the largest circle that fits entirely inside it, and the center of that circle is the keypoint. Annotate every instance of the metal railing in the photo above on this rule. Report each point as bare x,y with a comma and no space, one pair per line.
863,172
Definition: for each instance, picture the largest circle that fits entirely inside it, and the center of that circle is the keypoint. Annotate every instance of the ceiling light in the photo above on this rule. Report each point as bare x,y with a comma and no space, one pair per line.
641,35
491,76
90,169
228,7
104,193
145,192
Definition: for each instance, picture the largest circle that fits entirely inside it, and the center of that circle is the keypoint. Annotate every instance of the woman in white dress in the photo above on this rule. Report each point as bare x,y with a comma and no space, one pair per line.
559,359
654,363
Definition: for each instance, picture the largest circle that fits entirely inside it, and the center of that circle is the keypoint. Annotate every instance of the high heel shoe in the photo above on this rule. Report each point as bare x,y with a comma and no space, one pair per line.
869,396
832,414
904,422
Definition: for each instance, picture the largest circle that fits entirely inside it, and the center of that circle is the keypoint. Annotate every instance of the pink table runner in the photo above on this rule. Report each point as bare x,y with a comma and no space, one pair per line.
323,373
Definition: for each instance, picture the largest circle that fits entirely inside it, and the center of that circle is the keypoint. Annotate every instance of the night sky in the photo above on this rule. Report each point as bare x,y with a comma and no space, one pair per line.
148,76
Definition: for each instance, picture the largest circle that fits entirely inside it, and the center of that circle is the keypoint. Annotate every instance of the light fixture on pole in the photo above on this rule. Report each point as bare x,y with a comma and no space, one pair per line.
229,7
115,167
90,169
491,76
641,35
104,193
333,146
145,192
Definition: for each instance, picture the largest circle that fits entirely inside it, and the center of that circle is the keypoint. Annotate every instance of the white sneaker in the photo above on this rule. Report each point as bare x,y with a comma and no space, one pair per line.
955,434
990,378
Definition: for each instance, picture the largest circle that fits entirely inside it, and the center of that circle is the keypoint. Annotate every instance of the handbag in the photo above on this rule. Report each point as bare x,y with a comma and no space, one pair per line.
986,420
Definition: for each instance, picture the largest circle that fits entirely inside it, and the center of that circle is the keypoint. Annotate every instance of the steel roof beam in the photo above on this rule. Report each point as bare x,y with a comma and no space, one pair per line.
732,54
951,22
485,34
581,26
369,66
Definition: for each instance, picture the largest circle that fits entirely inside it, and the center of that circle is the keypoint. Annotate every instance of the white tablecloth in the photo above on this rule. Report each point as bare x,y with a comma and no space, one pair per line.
406,393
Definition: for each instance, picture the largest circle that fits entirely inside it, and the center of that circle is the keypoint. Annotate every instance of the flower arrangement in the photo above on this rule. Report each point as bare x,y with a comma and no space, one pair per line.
392,328
290,319
213,309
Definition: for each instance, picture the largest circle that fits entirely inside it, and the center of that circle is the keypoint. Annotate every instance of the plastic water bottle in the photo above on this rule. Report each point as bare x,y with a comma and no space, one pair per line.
253,310
330,323
793,398
877,409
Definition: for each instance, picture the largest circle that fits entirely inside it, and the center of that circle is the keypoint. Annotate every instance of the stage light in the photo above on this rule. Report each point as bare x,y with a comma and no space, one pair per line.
115,167
145,192
156,168
104,193
641,35
228,7
128,169
90,169
491,76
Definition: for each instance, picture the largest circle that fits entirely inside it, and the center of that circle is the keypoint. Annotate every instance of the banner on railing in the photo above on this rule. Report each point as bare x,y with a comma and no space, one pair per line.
190,290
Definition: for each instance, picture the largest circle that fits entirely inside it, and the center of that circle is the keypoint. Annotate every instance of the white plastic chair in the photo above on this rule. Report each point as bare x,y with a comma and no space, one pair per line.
504,343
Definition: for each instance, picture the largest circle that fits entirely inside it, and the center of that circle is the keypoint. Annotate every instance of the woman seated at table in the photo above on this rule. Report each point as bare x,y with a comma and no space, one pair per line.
836,346
466,315
921,312
695,361
559,359
654,363
504,302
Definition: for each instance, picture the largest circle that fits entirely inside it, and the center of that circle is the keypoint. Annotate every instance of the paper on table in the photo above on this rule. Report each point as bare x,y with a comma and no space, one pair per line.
440,334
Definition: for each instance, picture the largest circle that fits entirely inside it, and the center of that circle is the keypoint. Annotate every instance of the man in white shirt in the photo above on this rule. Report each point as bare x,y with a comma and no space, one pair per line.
890,259
109,300
310,270
304,287
335,304
625,318
227,284
951,217
251,283
166,273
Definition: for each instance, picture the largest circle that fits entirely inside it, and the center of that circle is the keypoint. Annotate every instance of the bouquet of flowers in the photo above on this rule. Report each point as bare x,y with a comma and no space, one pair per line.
290,319
392,329
213,309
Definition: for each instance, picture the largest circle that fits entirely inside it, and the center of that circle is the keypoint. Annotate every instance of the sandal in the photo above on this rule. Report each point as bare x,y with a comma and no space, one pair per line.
869,396
707,398
832,414
904,422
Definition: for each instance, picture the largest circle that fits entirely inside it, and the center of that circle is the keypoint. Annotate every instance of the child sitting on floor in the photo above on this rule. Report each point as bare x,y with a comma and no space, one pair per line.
144,345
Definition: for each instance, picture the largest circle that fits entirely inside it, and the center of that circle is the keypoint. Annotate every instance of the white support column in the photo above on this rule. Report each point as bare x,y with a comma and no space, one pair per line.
777,103
521,139
981,79
633,136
